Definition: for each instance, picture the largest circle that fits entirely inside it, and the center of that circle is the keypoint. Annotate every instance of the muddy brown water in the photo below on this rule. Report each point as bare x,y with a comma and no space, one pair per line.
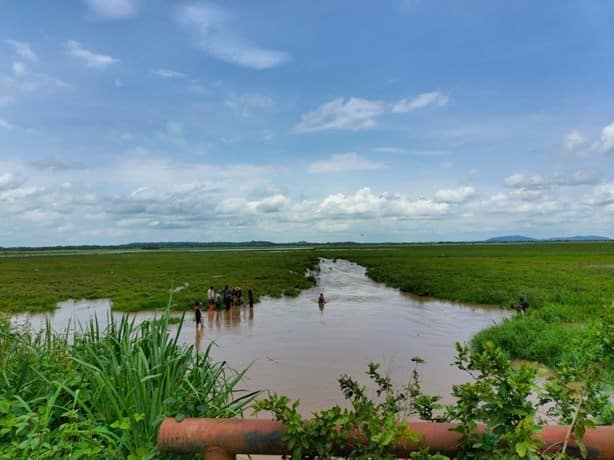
297,349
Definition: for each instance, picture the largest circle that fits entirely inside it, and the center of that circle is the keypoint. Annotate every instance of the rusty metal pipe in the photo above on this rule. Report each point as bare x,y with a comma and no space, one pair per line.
255,436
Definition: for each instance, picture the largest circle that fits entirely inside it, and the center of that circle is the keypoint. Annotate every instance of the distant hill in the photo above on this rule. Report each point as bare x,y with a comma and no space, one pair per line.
526,239
510,239
581,238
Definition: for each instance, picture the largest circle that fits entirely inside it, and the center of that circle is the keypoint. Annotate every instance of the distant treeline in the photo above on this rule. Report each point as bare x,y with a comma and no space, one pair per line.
175,245
269,244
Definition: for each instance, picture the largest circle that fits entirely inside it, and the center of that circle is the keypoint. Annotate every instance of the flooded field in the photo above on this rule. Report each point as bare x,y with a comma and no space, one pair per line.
296,348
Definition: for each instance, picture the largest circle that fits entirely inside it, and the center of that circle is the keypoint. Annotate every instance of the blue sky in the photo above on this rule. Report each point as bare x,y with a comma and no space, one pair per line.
128,120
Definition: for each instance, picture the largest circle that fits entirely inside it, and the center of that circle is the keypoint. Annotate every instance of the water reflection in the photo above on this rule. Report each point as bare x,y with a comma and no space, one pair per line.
198,339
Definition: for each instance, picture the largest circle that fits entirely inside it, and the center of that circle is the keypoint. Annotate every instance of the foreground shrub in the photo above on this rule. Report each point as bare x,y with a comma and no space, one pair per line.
103,393
507,400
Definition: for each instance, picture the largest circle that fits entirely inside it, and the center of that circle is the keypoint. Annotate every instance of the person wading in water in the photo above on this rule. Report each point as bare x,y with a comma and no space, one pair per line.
321,301
211,298
198,314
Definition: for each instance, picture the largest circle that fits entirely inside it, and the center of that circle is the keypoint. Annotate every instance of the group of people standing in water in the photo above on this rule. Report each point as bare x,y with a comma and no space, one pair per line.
222,300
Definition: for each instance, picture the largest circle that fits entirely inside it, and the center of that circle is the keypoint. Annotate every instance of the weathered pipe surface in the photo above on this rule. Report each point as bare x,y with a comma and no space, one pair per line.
256,436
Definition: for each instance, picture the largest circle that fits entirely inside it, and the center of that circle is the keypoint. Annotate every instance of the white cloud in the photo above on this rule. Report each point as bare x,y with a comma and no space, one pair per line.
215,35
166,73
361,114
503,203
573,140
603,194
9,181
343,162
142,195
5,124
606,143
526,181
19,69
576,144
367,204
245,103
23,49
434,98
563,179
94,60
114,9
275,203
352,114
458,195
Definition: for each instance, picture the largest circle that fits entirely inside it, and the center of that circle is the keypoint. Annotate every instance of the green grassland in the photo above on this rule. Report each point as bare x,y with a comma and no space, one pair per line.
141,280
568,285
495,274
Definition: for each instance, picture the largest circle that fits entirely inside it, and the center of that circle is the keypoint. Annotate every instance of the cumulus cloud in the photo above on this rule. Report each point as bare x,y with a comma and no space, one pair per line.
91,59
434,98
368,204
350,161
351,114
114,9
575,143
168,74
603,194
214,34
148,196
458,195
505,203
23,49
9,181
606,142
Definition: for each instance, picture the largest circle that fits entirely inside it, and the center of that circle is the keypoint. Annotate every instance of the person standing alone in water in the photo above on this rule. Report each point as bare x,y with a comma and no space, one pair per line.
321,300
198,314
250,298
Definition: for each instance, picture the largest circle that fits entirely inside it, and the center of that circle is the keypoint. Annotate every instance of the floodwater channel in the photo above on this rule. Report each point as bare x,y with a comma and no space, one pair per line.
295,348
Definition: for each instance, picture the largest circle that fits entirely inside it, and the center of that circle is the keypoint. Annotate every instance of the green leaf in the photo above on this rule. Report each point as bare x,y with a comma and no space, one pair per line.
522,448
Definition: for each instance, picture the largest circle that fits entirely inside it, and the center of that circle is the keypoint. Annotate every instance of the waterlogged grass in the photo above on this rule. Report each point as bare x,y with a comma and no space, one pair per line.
141,280
566,284
104,394
569,287
562,273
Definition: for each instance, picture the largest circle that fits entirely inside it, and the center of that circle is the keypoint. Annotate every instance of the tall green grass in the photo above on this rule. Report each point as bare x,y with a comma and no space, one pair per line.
104,392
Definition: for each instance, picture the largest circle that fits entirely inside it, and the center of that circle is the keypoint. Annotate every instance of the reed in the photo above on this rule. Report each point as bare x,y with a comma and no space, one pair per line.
102,393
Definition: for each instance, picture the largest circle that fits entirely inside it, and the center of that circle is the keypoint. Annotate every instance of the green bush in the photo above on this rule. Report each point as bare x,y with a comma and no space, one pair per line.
104,393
